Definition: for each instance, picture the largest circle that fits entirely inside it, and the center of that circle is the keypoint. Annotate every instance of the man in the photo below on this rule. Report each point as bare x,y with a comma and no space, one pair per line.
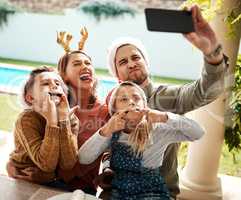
128,61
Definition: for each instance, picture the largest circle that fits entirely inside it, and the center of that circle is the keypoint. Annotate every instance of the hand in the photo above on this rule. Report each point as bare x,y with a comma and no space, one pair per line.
116,123
12,170
48,110
104,180
36,175
32,174
64,112
157,116
204,37
133,117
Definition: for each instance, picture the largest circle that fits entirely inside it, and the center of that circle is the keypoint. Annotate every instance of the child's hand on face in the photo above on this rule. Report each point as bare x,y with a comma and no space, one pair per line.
63,109
133,117
48,110
116,123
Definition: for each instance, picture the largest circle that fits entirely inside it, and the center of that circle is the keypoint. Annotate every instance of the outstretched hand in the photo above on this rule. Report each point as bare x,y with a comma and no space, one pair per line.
204,37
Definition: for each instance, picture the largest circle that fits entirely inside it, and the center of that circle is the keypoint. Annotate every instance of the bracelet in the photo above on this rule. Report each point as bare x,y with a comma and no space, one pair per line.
215,52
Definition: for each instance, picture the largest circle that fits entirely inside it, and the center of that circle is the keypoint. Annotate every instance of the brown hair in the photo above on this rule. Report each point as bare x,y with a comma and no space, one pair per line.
63,62
62,66
30,82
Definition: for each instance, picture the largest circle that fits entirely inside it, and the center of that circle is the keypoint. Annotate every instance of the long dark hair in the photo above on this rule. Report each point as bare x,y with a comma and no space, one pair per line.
62,66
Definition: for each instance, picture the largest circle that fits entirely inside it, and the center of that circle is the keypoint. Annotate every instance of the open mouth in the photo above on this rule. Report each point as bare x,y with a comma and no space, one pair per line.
84,77
55,97
55,94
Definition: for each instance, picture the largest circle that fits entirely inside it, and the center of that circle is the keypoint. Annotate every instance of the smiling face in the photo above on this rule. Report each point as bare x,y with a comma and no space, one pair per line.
130,64
46,83
80,72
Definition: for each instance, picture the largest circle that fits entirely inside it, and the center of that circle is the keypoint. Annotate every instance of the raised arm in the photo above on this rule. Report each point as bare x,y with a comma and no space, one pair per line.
43,151
178,128
100,141
181,99
68,144
69,127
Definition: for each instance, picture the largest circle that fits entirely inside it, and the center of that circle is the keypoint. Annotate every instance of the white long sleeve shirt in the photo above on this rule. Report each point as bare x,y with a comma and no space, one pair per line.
177,129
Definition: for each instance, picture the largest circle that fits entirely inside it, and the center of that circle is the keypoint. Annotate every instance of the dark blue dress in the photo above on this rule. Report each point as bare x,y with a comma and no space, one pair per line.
132,181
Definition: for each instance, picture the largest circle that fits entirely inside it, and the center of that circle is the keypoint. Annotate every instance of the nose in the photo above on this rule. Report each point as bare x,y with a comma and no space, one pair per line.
54,85
131,64
132,103
85,68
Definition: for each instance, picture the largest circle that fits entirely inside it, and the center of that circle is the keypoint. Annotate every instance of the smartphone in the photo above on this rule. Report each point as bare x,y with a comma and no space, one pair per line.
162,20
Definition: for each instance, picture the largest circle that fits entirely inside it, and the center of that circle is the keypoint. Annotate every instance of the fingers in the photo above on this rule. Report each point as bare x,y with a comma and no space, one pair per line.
199,15
23,177
64,99
194,15
193,38
73,110
28,171
46,102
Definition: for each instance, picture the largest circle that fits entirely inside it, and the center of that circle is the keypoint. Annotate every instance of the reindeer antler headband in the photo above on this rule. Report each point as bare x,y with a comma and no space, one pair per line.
64,39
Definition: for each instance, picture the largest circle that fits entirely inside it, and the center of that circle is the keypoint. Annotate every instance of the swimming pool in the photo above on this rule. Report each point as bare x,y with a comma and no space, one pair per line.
11,80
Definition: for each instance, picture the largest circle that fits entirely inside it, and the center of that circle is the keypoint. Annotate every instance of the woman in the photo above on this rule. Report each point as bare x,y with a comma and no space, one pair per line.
75,67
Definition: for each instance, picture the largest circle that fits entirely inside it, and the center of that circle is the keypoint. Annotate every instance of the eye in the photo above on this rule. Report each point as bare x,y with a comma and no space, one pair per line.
45,83
77,64
57,83
137,97
123,62
136,58
87,63
124,99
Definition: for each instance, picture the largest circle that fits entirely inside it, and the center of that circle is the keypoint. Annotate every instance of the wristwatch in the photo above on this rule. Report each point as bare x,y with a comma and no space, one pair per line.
215,52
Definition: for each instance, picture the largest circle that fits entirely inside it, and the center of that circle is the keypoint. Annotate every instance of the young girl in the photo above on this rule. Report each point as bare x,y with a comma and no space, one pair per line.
45,137
138,138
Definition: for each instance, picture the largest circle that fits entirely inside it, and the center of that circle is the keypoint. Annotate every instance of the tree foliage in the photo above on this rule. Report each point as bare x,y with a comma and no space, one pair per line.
5,11
233,133
106,9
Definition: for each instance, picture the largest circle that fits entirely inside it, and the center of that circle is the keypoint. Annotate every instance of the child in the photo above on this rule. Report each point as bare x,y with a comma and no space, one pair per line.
45,137
138,138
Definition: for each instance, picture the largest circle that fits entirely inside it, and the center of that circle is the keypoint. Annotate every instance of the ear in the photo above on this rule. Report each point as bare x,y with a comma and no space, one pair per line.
29,99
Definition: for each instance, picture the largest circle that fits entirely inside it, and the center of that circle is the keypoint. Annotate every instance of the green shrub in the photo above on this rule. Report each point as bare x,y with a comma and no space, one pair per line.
233,134
5,11
106,9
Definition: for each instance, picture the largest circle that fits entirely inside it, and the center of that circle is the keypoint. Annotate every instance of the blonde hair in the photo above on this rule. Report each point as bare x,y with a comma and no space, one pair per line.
141,137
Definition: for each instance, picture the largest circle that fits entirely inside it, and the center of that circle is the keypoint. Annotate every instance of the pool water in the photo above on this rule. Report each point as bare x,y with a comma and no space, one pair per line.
12,79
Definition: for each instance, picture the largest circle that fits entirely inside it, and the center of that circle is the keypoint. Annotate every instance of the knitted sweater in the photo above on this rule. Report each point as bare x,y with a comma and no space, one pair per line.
42,146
